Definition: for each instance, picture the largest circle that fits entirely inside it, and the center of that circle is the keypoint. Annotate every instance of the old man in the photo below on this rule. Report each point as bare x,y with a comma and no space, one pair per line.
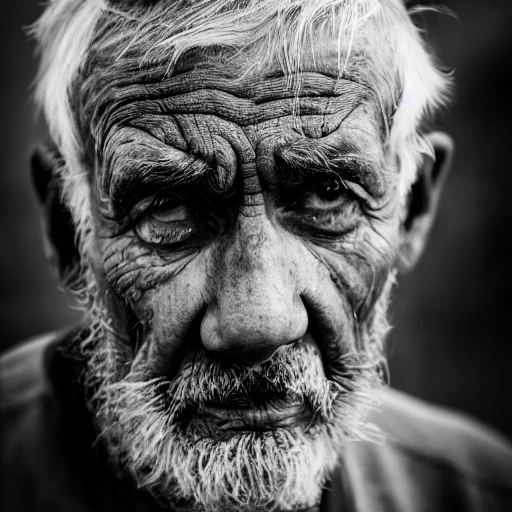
231,188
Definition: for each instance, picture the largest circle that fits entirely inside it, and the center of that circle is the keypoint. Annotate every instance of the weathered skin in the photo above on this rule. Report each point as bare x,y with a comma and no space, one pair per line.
237,174
252,255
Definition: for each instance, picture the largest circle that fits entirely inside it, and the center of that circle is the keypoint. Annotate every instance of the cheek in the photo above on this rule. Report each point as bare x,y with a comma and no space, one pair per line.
360,264
134,270
172,312
165,292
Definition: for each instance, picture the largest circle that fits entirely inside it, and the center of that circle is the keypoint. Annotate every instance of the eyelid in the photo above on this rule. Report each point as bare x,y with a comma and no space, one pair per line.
158,235
153,228
141,207
155,201
363,174
359,191
180,211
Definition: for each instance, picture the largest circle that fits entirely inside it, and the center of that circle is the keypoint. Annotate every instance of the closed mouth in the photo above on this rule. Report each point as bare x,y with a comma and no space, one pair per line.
277,413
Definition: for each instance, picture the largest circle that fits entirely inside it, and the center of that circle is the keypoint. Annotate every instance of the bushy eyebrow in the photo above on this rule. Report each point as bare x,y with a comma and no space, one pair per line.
142,166
310,157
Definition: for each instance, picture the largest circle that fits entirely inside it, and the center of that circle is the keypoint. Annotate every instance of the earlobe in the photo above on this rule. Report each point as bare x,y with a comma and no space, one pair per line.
424,198
57,220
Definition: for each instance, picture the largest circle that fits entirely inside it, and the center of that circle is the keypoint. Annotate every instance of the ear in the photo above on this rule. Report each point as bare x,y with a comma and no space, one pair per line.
57,221
424,198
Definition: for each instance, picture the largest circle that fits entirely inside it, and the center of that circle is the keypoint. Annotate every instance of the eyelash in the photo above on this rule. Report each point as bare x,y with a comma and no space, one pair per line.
322,217
159,232
161,235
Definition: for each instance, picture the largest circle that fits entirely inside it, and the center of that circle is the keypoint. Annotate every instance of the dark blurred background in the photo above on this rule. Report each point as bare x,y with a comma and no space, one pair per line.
452,342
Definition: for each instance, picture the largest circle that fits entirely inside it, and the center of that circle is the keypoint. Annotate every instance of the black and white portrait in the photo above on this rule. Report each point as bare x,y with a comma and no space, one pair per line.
255,256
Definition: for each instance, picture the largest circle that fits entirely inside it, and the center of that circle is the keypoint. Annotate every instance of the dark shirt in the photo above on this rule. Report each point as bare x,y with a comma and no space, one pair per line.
431,459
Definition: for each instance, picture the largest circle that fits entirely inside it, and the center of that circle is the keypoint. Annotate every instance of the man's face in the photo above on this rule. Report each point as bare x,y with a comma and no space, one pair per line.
246,233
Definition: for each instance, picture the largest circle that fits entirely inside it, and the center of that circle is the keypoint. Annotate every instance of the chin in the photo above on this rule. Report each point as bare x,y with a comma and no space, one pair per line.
226,437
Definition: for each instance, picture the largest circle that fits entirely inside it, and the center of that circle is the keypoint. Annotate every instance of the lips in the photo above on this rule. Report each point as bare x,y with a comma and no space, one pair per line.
277,413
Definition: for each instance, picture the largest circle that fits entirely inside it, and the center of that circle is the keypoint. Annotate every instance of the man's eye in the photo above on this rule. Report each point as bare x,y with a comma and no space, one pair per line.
166,222
328,208
327,194
170,213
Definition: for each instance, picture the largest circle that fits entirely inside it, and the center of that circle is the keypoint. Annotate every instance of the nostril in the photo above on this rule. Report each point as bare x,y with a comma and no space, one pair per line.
252,325
255,355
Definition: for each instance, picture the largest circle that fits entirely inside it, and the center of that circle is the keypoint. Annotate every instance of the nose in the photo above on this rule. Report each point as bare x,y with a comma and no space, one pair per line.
256,307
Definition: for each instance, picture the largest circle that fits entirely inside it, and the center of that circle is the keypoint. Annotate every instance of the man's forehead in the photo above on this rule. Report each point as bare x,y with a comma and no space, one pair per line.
177,138
322,54
233,87
148,115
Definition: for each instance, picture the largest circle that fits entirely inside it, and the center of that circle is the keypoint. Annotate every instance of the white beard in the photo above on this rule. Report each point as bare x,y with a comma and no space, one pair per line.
144,425
150,433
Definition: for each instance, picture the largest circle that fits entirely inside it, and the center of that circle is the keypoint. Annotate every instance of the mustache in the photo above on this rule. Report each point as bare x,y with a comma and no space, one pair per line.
142,421
295,375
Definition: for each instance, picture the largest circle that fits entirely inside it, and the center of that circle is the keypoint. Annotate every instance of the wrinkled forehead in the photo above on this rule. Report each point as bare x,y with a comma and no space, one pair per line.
124,80
243,94
216,109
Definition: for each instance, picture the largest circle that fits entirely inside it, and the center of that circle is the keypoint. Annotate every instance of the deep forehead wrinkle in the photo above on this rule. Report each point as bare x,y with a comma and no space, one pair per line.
198,92
138,158
138,84
105,84
226,106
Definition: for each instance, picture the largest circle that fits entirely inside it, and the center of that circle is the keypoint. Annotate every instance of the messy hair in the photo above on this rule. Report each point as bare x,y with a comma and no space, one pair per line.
409,85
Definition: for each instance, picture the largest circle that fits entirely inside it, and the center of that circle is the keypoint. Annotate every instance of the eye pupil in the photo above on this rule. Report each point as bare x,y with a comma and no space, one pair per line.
329,190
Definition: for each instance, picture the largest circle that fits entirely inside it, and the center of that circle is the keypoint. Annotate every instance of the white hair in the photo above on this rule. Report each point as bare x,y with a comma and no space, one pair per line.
277,29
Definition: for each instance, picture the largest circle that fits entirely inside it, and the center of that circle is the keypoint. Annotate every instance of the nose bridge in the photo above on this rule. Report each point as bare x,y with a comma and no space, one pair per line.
253,202
254,268
257,305
255,260
255,272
